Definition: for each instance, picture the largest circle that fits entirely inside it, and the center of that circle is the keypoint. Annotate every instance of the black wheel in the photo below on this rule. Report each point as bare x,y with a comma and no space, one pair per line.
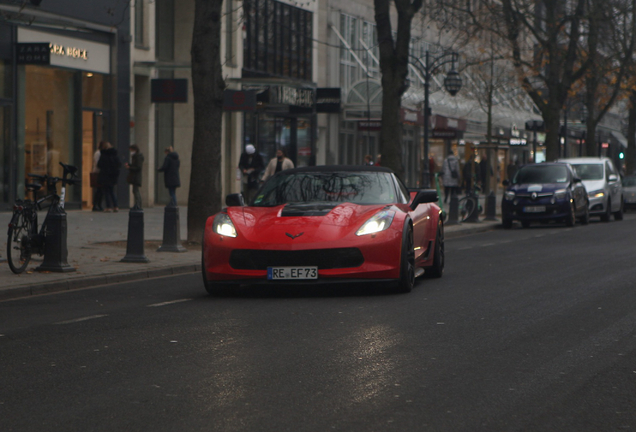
605,217
571,219
619,214
213,288
407,262
18,244
585,219
506,223
437,269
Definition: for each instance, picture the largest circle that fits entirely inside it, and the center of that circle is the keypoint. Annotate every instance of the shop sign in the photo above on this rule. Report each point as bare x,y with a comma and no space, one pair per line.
33,53
70,52
299,97
169,90
444,133
441,122
411,117
518,142
328,100
239,100
366,125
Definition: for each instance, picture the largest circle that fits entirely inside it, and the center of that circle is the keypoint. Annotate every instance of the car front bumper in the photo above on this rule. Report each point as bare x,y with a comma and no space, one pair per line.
559,210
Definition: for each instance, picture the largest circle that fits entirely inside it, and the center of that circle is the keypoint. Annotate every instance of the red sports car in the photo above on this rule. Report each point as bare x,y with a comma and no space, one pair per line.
322,225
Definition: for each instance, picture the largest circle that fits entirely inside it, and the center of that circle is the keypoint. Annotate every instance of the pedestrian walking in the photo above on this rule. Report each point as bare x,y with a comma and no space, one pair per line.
98,193
109,166
251,165
485,172
170,169
368,160
450,176
470,175
277,164
134,173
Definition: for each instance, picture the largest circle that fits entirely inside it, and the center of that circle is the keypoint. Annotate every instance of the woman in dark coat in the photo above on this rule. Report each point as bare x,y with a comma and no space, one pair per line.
170,170
109,166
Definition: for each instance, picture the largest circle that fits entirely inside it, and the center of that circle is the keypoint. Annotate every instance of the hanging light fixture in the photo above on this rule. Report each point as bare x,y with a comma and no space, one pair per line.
453,82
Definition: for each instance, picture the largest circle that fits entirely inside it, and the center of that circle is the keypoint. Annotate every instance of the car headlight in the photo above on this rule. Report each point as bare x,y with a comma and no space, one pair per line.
560,194
509,195
223,225
597,194
378,222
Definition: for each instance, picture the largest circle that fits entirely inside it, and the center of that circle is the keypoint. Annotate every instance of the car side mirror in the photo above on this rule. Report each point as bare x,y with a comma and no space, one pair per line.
424,196
577,180
505,183
235,200
613,177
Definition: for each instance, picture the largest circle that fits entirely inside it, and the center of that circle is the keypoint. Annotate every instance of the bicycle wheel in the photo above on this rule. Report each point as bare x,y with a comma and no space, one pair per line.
467,206
18,247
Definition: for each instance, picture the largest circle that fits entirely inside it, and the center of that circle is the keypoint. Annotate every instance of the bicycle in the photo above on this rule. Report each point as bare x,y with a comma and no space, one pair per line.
23,236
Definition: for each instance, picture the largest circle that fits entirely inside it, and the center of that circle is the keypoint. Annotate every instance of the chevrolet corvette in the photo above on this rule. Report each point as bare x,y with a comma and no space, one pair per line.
326,224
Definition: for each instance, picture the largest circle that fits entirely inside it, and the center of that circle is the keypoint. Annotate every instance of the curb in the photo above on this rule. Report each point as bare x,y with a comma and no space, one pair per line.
94,281
479,227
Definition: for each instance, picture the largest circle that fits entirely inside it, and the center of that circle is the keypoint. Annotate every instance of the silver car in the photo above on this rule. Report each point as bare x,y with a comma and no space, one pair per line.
603,185
629,191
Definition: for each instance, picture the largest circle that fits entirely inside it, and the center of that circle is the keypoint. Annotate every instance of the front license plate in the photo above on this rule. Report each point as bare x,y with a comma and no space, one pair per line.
292,273
534,209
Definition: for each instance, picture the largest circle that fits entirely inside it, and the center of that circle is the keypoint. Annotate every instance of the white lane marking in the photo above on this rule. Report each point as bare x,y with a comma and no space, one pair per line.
81,319
169,302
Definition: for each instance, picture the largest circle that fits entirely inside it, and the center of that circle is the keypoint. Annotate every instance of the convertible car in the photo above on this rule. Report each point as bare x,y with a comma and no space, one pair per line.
325,224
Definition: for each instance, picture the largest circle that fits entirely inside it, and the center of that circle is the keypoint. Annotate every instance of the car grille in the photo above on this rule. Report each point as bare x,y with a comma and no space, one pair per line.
249,259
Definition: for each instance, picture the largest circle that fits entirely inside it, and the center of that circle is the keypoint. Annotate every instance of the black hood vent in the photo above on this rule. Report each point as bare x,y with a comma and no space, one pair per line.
307,209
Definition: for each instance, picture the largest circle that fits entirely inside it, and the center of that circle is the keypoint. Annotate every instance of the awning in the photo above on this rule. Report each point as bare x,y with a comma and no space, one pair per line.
620,138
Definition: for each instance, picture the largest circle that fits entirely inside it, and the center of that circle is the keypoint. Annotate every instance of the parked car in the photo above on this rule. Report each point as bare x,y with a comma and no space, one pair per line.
629,192
603,184
325,224
544,192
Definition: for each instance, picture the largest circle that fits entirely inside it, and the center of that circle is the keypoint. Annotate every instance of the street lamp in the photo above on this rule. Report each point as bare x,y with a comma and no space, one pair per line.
452,84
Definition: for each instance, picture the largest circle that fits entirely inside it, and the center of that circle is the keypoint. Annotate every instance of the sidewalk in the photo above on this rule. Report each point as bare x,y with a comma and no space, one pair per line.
97,242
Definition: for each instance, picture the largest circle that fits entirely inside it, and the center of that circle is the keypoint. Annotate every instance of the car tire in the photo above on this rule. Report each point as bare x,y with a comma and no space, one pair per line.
570,221
407,261
605,217
585,219
506,223
213,288
437,269
619,214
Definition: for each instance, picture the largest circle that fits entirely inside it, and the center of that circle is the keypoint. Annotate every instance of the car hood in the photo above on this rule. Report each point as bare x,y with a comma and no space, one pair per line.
319,223
594,185
539,188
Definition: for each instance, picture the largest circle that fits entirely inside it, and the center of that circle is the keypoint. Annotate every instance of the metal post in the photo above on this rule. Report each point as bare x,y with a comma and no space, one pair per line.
135,244
425,173
534,143
55,249
171,231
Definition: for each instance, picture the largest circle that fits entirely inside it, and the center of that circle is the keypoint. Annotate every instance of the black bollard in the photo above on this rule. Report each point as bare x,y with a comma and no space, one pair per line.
55,249
171,231
491,207
473,216
135,244
453,211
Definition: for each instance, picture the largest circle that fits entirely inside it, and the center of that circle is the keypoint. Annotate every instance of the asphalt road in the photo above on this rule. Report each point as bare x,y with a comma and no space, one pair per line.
528,330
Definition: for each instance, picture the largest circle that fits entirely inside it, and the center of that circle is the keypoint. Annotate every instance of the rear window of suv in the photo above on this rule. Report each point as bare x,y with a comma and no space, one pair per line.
589,171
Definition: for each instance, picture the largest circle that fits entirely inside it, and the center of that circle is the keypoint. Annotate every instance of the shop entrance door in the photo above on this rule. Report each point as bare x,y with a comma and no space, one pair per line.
94,130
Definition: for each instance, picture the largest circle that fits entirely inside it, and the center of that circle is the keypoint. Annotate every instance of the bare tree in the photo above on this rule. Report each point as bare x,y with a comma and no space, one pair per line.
394,61
204,198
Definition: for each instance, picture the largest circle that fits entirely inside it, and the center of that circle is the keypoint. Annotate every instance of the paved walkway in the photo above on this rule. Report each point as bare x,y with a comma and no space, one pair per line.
97,243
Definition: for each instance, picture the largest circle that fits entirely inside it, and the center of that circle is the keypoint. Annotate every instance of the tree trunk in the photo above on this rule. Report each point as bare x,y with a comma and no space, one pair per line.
394,61
207,81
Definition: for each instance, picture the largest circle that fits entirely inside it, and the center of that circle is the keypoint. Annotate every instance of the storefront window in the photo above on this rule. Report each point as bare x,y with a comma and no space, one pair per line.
5,80
49,117
95,90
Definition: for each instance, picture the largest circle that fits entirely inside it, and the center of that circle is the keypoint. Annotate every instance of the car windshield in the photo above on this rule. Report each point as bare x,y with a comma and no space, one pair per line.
592,171
327,187
629,181
541,174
